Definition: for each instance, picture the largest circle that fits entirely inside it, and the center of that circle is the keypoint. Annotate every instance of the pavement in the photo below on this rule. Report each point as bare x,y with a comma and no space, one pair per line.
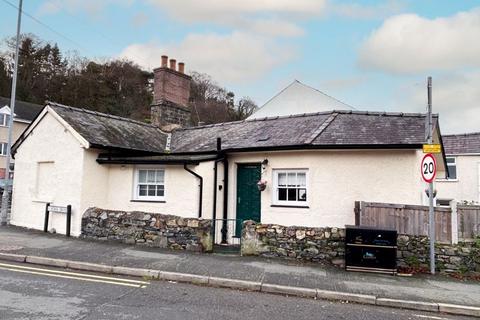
48,293
286,273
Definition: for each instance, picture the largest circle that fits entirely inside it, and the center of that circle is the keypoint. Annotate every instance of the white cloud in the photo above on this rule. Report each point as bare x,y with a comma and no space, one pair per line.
277,18
357,11
221,10
230,59
409,43
93,7
455,98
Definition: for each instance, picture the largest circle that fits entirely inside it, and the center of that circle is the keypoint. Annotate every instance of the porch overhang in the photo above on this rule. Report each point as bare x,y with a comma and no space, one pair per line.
106,158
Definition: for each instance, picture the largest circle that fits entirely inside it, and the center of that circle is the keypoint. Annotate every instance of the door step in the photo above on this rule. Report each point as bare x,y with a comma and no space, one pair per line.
226,249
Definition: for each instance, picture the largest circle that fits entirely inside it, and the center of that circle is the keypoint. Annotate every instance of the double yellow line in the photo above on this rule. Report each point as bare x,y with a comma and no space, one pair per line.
74,275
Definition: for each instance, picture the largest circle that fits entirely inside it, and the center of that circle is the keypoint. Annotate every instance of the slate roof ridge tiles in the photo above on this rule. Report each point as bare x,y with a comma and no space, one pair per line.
369,113
322,127
100,114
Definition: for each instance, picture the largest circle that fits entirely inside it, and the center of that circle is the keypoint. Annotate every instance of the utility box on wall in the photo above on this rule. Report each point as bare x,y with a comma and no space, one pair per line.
370,249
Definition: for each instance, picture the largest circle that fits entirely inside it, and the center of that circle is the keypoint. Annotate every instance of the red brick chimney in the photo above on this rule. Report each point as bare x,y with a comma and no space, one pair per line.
171,88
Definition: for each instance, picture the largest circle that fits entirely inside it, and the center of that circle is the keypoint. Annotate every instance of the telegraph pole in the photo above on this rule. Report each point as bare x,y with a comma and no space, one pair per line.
431,212
4,214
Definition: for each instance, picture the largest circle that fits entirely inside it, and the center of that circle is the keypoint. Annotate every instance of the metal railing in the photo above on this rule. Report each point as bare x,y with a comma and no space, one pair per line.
227,231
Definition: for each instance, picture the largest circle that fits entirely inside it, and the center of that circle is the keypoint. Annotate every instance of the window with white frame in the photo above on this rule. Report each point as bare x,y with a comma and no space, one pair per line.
3,148
452,167
4,119
149,184
290,187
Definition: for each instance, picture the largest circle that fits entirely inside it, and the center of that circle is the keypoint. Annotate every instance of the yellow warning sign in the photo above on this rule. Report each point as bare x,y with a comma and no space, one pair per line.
432,148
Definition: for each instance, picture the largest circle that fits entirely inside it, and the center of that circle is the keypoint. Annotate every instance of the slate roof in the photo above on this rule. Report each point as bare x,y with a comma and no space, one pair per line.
334,129
23,110
111,132
331,130
462,143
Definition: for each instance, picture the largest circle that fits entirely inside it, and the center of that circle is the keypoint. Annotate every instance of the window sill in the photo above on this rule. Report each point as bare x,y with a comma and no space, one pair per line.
154,201
447,180
289,206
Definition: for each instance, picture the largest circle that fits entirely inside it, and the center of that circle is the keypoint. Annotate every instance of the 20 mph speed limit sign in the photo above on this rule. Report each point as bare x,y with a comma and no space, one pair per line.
429,168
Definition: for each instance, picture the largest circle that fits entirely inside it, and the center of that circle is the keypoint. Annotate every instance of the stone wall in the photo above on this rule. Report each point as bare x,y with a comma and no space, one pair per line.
327,245
154,230
414,251
166,113
309,244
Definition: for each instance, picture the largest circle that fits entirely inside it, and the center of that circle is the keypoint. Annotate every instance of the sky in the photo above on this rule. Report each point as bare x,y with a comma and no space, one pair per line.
373,55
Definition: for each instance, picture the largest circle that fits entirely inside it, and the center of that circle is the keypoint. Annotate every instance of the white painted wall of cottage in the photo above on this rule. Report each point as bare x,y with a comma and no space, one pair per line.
49,141
467,185
181,190
336,180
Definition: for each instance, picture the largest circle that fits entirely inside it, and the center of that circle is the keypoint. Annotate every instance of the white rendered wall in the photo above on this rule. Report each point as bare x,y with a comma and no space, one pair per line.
467,185
48,142
336,179
181,190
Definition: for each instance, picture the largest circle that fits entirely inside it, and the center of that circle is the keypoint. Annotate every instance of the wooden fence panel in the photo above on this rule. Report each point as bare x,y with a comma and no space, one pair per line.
468,222
406,219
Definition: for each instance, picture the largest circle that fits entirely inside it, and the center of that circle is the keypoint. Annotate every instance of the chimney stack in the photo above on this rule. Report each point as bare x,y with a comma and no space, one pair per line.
173,64
181,67
171,95
164,61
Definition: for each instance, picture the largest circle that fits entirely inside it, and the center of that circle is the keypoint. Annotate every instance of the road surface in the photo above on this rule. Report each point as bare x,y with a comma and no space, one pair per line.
30,292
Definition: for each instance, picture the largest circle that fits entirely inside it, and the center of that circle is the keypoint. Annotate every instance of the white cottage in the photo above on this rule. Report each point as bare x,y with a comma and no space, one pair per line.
463,161
312,167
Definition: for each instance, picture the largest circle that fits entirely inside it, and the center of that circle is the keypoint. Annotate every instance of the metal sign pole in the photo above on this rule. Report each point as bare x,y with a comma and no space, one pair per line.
4,212
431,212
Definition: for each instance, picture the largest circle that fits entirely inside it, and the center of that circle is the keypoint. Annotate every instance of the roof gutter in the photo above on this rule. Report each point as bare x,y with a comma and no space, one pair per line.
309,147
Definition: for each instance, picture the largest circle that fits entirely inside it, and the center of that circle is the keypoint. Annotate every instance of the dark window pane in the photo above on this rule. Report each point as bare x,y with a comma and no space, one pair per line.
160,191
292,194
452,172
450,160
151,190
302,194
282,194
142,190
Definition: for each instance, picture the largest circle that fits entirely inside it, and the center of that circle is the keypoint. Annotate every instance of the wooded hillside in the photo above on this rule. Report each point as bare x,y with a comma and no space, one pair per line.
113,86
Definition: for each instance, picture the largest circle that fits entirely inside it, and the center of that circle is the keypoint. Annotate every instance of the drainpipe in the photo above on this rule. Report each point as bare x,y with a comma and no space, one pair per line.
225,199
215,171
200,185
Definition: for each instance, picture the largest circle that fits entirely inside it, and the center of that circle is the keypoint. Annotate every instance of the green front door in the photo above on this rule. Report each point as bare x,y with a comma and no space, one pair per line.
248,196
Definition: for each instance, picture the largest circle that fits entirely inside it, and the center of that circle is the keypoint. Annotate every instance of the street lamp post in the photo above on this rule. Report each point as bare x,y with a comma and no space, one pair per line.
4,214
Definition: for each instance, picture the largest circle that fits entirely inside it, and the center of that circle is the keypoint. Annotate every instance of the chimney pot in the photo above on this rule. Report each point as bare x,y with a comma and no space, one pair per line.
181,67
164,61
173,64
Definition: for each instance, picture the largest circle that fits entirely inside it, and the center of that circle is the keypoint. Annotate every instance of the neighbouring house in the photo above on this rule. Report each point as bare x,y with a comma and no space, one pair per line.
298,98
25,112
311,167
463,161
